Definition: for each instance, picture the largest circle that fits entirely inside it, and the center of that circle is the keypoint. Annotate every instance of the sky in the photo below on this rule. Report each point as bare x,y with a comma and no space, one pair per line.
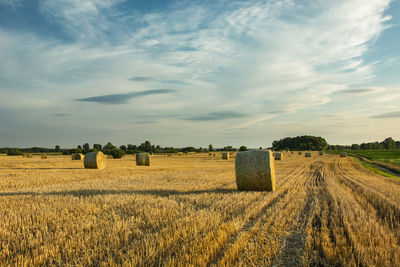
180,73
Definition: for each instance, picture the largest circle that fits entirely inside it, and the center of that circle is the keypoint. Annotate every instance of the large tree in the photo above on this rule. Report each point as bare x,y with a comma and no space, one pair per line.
305,142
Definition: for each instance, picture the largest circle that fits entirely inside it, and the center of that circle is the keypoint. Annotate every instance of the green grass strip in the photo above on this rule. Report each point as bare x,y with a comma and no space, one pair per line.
376,170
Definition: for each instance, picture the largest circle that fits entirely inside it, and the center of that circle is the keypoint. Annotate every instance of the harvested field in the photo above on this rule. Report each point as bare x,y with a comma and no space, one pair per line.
186,211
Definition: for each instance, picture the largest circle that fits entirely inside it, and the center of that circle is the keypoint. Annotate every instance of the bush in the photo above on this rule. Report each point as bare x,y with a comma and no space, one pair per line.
116,153
14,152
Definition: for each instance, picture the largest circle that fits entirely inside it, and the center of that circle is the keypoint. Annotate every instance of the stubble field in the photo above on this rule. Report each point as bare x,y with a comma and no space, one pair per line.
185,210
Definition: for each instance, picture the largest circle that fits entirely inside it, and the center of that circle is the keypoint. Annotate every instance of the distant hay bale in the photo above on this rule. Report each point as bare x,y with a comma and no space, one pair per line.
278,156
308,154
29,156
77,156
225,155
321,153
95,160
300,153
291,152
143,159
214,155
44,156
255,170
110,156
343,154
210,154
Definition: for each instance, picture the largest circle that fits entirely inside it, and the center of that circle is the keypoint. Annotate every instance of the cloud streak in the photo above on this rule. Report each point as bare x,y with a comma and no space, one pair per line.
388,115
259,58
217,116
116,99
359,91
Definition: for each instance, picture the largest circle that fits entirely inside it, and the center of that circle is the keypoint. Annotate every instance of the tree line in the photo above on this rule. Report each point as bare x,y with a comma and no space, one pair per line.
306,142
115,151
388,143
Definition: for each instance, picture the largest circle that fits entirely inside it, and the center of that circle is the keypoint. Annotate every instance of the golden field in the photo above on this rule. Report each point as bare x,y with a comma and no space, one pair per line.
185,210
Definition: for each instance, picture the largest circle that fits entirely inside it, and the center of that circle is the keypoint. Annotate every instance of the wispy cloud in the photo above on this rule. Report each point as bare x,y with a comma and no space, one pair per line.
359,91
153,79
144,122
388,115
61,114
123,98
216,116
259,58
141,79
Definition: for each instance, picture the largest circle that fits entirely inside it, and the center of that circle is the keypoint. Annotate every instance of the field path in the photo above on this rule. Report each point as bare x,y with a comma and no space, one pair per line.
185,210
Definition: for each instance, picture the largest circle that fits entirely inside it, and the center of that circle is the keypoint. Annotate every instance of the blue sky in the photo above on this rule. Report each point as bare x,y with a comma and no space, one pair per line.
182,73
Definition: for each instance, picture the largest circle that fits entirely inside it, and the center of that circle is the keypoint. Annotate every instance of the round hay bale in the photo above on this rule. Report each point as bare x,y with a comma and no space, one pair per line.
95,160
308,154
343,154
110,156
44,156
29,156
77,156
255,170
143,159
300,153
278,156
225,155
321,153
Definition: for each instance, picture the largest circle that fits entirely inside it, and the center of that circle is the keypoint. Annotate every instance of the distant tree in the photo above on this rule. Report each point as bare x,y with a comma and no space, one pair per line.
57,148
97,146
146,146
301,143
228,148
189,149
210,147
243,148
123,147
355,147
86,147
389,143
116,153
79,147
109,146
14,152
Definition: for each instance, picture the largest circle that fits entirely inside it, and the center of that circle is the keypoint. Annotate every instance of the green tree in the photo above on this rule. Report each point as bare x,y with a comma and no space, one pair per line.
57,148
116,153
305,142
86,147
109,146
210,147
243,148
97,146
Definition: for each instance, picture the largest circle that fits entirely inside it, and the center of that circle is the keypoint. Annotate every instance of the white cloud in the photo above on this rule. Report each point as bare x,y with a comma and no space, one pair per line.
253,57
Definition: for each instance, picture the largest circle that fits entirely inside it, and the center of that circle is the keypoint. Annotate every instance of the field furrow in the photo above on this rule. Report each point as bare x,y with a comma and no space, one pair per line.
186,211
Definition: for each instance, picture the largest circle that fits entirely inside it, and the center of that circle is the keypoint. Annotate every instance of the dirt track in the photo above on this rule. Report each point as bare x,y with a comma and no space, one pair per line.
326,210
